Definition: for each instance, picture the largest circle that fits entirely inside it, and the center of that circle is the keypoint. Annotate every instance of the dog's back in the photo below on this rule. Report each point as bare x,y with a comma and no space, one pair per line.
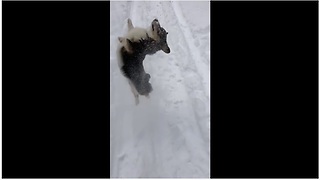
132,66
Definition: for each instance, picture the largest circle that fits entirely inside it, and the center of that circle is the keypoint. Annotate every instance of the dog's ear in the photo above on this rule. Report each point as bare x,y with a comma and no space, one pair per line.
121,39
155,25
130,25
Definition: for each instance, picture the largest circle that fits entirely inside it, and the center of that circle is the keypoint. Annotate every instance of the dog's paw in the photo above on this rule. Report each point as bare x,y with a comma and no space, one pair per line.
136,101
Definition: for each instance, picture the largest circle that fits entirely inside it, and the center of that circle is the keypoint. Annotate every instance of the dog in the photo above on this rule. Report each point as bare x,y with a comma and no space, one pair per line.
133,49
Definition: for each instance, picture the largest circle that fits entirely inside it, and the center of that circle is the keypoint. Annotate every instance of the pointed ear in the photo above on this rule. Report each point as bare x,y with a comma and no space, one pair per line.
155,25
121,39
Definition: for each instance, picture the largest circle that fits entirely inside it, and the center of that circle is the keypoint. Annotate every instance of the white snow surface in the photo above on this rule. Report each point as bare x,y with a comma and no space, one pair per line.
168,134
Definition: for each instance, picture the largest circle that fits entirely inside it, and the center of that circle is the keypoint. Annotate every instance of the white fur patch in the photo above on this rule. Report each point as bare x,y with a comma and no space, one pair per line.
137,33
153,34
119,58
124,43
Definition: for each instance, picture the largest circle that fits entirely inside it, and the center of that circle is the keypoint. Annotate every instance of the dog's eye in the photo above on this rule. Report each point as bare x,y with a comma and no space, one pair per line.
167,33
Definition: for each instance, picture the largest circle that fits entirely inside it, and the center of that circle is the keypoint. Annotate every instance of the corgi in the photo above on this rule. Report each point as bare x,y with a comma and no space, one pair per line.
132,50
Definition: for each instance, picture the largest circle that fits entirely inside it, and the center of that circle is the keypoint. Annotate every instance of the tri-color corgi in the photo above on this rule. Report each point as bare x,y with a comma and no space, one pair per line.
133,49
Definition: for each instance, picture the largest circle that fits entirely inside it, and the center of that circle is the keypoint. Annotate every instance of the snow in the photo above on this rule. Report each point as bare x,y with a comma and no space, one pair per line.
168,134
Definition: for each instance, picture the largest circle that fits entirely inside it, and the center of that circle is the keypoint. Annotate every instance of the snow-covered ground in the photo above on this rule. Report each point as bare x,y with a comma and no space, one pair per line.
168,134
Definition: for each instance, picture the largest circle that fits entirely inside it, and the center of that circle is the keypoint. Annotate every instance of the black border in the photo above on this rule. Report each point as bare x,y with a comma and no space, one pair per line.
56,90
264,82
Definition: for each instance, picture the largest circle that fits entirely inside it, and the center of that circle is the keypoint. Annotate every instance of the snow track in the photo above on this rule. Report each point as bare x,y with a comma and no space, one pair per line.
168,134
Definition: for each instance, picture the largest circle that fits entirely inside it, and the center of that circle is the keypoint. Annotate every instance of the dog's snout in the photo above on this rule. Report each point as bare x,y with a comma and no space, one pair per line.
166,49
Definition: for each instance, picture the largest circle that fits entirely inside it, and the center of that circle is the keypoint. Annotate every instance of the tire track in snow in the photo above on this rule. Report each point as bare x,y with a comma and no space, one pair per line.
193,121
152,62
143,157
115,138
202,71
122,139
202,68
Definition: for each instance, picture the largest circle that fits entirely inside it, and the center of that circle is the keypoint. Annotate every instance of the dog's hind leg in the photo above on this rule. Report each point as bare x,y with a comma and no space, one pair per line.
135,92
130,25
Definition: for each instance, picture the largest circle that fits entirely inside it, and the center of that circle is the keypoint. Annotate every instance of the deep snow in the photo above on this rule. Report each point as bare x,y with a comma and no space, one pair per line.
168,134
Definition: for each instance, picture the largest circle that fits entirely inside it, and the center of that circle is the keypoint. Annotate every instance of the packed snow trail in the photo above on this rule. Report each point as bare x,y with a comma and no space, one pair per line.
168,134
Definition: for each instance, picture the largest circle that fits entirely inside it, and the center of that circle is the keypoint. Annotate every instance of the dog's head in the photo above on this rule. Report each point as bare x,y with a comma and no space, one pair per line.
160,36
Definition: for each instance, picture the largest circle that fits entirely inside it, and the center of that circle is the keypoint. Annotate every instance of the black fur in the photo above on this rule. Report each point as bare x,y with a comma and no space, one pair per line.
150,46
133,66
133,61
163,40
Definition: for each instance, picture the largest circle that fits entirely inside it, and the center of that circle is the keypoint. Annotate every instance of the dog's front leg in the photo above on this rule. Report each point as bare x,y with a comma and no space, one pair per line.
135,93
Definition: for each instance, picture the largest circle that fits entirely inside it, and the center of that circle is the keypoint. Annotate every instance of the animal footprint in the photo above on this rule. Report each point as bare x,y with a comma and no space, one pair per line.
178,102
197,43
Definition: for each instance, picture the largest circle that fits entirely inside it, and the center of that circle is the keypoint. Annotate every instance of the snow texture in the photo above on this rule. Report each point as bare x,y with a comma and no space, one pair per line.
168,134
